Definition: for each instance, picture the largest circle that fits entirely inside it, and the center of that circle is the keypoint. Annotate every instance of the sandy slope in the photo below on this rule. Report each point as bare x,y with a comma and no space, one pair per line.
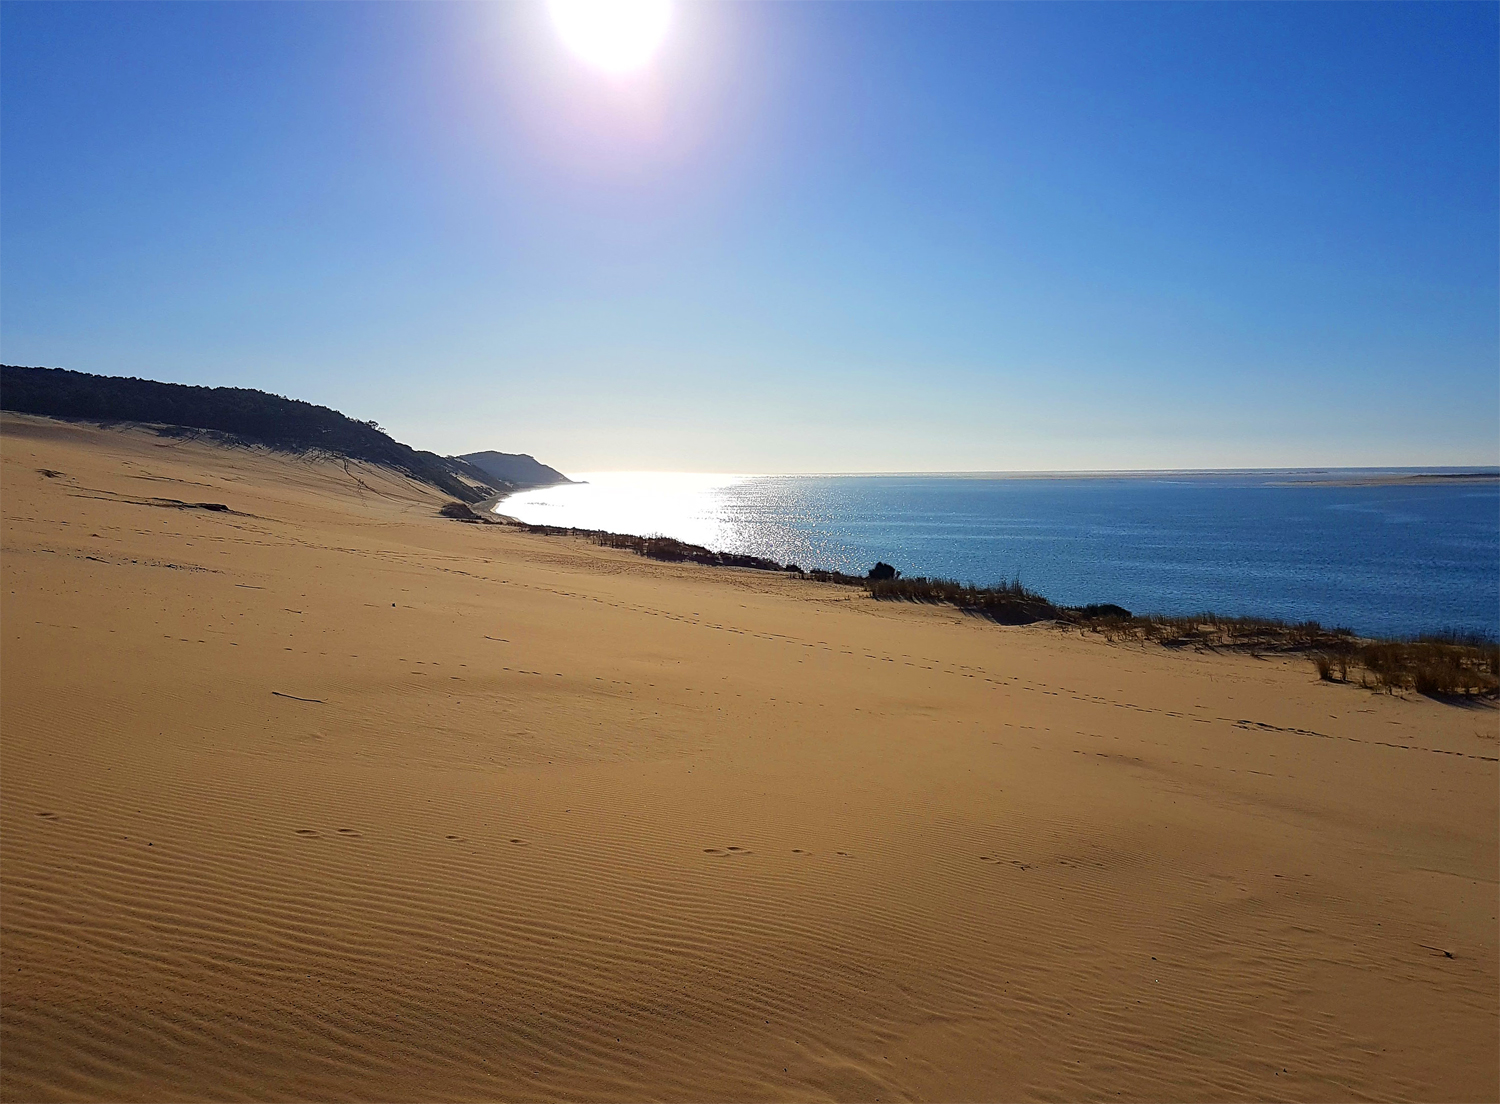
562,822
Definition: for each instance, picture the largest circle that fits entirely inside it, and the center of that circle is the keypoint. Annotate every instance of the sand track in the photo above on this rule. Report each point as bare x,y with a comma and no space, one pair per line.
326,797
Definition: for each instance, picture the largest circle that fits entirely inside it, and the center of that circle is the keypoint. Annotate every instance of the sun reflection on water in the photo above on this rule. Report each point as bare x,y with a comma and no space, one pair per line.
690,506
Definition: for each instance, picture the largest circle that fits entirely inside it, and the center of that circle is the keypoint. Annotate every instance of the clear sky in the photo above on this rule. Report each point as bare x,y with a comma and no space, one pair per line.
853,237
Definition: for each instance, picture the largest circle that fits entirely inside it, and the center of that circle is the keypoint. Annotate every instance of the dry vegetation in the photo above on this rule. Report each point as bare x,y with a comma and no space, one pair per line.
1009,603
1442,666
1437,668
1451,665
1454,665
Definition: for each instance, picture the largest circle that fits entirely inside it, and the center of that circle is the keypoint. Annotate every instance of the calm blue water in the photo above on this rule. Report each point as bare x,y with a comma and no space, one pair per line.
1381,559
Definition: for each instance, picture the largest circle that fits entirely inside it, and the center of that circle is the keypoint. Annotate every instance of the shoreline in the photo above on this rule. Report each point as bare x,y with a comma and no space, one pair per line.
1438,663
1407,627
1476,471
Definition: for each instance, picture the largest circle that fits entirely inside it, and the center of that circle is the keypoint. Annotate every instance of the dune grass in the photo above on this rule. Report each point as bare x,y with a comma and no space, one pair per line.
1436,669
1008,603
1441,665
1444,665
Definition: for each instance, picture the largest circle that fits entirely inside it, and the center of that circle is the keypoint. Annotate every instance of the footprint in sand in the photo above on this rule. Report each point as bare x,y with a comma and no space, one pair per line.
517,841
460,839
306,832
47,816
799,851
348,832
997,860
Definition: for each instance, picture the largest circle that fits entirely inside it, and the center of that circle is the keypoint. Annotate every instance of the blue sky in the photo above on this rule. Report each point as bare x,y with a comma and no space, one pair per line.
849,237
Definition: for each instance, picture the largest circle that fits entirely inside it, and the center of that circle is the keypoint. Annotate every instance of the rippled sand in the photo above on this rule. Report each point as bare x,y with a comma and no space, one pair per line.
322,796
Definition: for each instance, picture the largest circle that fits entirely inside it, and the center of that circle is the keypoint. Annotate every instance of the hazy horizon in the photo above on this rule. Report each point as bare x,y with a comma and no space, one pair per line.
1021,473
794,238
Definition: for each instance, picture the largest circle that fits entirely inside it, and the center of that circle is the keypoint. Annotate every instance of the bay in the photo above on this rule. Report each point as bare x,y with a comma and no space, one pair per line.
1376,551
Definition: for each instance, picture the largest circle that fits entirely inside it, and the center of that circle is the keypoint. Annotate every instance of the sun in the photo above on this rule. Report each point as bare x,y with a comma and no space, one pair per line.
616,36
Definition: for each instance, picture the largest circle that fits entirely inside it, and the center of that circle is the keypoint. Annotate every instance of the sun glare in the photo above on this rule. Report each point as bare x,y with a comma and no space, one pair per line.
616,36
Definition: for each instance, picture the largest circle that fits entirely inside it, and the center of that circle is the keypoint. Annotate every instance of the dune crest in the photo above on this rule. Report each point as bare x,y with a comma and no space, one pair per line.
323,795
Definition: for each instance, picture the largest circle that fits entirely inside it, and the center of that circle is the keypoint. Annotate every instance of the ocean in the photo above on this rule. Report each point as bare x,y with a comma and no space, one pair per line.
1376,551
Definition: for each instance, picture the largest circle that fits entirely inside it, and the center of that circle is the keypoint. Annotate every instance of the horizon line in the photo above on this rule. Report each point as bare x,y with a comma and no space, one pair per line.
1015,473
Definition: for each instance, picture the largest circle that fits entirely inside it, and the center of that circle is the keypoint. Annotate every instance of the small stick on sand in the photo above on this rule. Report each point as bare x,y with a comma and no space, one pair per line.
294,697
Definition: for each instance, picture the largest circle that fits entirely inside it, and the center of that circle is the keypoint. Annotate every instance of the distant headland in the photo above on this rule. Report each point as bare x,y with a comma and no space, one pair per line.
515,468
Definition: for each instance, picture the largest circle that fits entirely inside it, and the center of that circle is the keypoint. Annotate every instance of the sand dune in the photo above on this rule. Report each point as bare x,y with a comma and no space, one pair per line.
322,796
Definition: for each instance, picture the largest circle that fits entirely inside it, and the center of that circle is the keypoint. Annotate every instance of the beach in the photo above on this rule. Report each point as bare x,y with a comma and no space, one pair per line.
309,793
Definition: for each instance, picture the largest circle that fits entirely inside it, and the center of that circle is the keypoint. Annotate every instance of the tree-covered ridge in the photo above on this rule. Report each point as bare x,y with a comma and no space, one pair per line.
250,416
515,467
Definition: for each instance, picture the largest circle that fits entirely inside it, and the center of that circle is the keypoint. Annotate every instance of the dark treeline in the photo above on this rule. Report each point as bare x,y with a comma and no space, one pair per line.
514,468
245,415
